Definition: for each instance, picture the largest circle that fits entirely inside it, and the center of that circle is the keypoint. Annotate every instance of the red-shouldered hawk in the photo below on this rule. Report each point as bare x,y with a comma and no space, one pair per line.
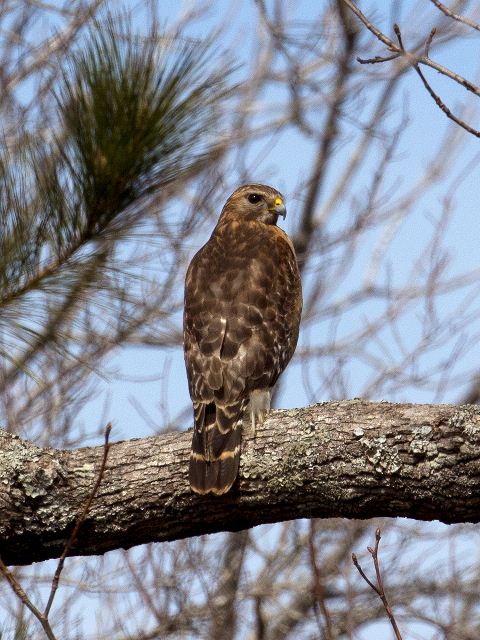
243,301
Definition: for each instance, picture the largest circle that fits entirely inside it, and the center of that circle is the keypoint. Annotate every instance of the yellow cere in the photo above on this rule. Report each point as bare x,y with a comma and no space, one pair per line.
278,202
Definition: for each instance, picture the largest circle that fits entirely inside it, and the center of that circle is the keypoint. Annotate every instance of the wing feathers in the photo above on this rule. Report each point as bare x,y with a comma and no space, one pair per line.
242,312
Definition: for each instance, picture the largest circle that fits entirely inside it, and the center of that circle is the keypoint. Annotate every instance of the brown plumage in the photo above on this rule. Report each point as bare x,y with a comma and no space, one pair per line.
243,302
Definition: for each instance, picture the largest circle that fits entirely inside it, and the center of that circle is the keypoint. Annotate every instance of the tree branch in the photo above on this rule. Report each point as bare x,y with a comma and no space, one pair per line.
379,590
410,56
414,60
353,459
455,16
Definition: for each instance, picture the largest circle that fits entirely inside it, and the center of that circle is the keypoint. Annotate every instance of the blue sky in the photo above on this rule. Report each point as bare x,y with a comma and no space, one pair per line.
284,161
146,377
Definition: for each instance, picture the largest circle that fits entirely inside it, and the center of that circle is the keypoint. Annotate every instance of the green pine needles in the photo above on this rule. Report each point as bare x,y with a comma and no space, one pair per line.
135,116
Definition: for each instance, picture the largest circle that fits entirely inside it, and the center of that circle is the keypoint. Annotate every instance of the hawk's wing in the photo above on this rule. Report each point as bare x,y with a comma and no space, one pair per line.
241,319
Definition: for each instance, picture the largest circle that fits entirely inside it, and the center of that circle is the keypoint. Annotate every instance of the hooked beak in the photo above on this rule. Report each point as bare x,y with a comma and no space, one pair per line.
279,208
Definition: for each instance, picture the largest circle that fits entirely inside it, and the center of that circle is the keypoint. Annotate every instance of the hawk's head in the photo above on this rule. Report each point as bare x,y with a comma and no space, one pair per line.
254,202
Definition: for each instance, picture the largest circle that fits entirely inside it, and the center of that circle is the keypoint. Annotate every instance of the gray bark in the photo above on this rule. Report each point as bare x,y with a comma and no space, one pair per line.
351,459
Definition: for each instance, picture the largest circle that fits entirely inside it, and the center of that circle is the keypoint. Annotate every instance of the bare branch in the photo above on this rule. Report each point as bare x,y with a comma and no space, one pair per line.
379,590
414,61
20,593
80,520
455,16
443,107
428,42
318,589
224,597
60,41
304,235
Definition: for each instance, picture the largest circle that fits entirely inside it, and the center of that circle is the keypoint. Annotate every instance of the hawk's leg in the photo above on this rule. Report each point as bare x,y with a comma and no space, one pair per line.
259,407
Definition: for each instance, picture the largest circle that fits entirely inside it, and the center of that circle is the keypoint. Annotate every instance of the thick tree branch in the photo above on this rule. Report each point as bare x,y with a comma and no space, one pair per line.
351,459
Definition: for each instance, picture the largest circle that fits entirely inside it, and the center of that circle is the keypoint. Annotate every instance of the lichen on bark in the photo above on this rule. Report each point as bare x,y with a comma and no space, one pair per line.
337,459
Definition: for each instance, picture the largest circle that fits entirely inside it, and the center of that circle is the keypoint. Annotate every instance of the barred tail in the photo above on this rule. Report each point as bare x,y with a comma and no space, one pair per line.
216,444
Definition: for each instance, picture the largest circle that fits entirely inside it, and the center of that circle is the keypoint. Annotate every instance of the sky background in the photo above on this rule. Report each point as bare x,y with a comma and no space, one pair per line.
138,376
282,163
139,386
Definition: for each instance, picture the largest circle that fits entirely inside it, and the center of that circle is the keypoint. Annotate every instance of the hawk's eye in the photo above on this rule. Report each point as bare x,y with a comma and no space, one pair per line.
254,197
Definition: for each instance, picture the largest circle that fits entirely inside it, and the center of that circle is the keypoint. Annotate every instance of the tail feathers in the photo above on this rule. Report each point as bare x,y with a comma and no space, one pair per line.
216,444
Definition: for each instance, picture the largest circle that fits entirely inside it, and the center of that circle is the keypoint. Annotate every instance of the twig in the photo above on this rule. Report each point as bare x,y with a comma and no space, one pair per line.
379,590
443,106
318,590
427,86
391,46
62,40
371,27
396,28
455,16
378,59
428,42
80,520
16,586
259,618
415,61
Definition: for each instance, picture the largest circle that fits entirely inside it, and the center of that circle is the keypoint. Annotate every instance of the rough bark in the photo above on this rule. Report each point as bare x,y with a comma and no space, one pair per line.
352,459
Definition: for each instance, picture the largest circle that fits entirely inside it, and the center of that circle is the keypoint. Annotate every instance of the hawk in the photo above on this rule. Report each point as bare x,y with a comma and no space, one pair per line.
243,301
